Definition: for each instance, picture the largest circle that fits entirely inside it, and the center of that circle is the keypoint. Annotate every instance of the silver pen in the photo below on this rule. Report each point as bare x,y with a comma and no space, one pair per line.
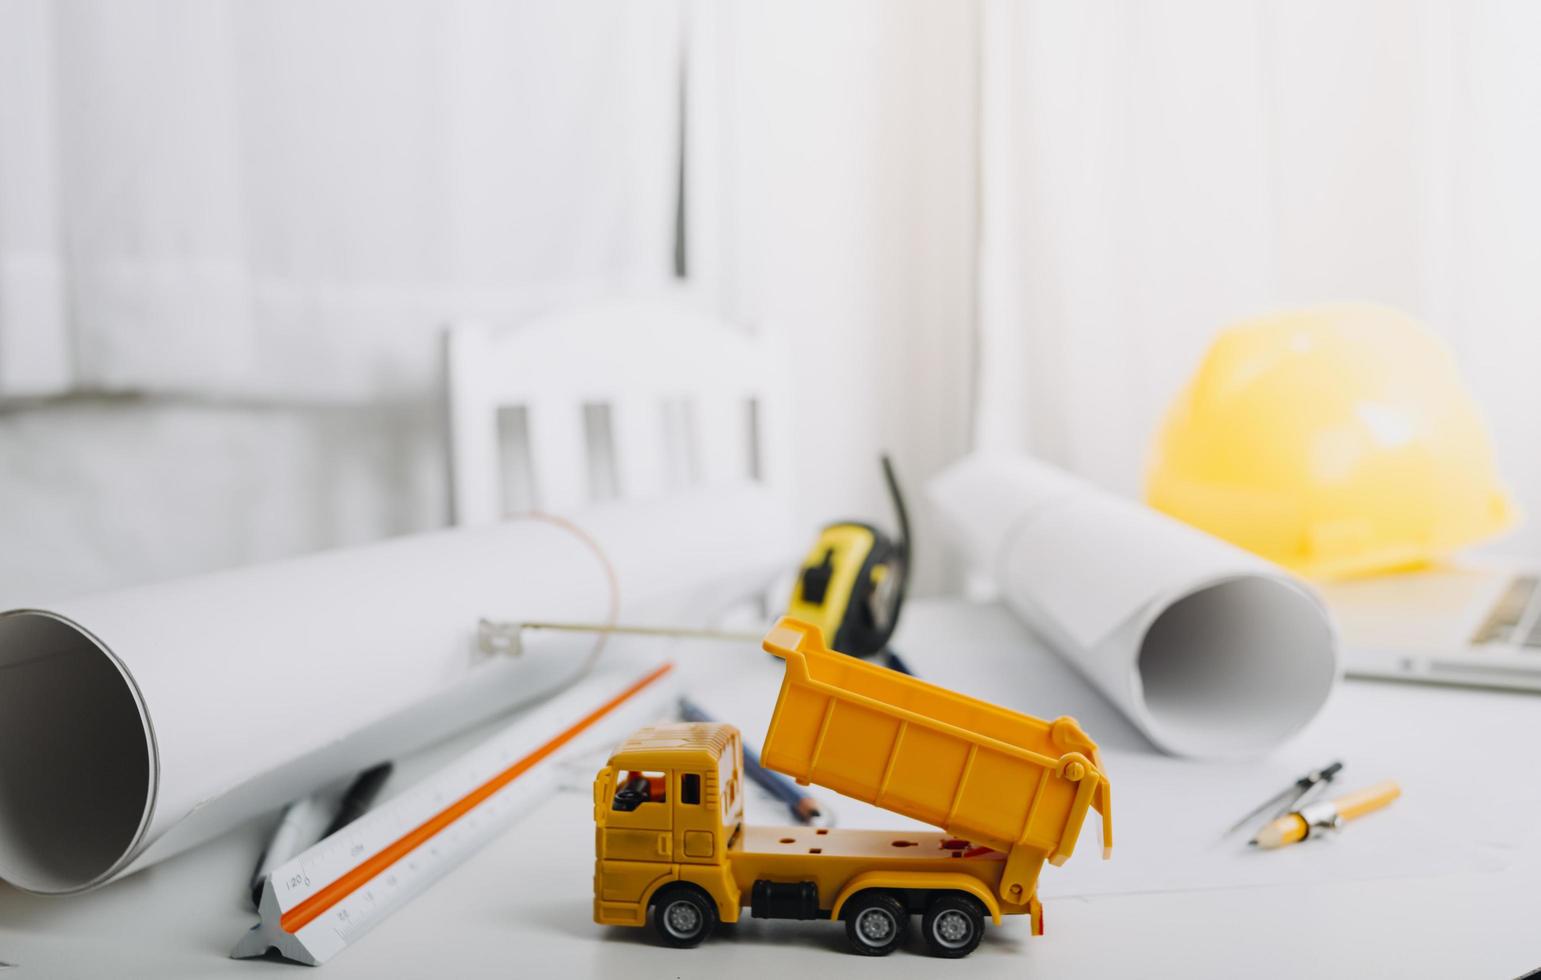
1290,796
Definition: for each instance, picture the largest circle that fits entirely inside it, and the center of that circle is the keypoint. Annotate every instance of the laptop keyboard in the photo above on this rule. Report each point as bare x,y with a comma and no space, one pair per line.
1515,619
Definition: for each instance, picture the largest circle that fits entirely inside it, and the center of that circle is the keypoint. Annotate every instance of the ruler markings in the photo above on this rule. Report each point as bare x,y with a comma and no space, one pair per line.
361,874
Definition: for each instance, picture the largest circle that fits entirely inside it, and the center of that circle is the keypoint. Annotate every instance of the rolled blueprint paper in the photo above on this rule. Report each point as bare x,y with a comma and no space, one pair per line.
1210,651
138,723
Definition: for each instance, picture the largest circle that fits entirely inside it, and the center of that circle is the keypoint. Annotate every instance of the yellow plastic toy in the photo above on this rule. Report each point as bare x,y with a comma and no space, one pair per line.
1336,441
1009,790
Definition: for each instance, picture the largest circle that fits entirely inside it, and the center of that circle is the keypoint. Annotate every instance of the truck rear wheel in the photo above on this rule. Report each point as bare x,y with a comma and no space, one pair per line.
875,923
953,924
683,915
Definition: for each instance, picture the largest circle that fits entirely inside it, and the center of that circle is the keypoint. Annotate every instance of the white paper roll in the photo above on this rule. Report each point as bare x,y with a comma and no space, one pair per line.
138,723
1211,651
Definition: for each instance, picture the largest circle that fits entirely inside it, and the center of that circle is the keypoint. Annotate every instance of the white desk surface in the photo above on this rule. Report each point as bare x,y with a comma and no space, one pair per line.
522,906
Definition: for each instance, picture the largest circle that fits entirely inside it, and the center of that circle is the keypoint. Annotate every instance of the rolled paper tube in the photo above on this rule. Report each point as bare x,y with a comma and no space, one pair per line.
1209,650
138,723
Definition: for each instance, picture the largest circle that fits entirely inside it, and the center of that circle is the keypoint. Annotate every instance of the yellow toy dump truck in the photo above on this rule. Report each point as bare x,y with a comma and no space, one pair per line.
1008,790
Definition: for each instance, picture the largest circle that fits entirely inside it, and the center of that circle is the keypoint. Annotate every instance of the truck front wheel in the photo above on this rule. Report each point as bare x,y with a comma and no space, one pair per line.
953,924
875,923
683,915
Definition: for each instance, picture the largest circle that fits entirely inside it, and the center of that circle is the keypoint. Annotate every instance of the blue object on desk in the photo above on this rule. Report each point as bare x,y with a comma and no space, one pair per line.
895,663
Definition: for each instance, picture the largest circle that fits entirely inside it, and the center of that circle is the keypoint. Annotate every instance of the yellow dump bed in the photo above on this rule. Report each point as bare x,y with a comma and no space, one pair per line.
978,771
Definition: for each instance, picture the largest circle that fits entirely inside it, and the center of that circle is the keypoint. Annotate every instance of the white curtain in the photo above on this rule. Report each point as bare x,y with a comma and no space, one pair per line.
831,196
1018,223
1151,172
231,231
34,343
284,200
993,222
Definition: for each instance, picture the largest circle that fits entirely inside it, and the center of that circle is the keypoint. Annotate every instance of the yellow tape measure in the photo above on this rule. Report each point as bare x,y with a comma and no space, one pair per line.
852,584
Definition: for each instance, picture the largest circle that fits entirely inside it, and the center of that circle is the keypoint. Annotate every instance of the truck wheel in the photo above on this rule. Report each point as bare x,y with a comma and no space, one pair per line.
953,925
875,923
683,915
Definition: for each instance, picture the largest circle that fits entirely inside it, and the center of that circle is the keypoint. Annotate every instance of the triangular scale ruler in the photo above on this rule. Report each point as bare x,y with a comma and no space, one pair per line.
315,905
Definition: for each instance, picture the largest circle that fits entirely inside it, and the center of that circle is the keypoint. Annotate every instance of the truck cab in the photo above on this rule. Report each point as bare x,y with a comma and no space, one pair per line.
667,809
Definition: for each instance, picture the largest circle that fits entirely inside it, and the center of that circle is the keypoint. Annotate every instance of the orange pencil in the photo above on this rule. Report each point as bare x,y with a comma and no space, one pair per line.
1313,819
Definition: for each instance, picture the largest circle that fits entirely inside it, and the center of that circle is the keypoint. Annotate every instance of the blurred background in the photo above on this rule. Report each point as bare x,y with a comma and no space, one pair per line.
232,233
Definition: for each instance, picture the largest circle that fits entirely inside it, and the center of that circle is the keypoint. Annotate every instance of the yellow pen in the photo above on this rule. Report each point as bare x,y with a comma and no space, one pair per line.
1314,819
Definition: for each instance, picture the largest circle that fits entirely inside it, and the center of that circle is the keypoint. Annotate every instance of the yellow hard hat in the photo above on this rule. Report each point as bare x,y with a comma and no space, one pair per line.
1336,441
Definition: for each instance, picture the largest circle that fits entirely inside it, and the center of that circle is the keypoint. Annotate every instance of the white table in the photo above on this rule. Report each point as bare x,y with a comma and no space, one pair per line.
521,908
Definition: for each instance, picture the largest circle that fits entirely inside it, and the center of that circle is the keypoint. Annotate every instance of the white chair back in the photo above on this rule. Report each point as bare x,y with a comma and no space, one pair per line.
624,399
